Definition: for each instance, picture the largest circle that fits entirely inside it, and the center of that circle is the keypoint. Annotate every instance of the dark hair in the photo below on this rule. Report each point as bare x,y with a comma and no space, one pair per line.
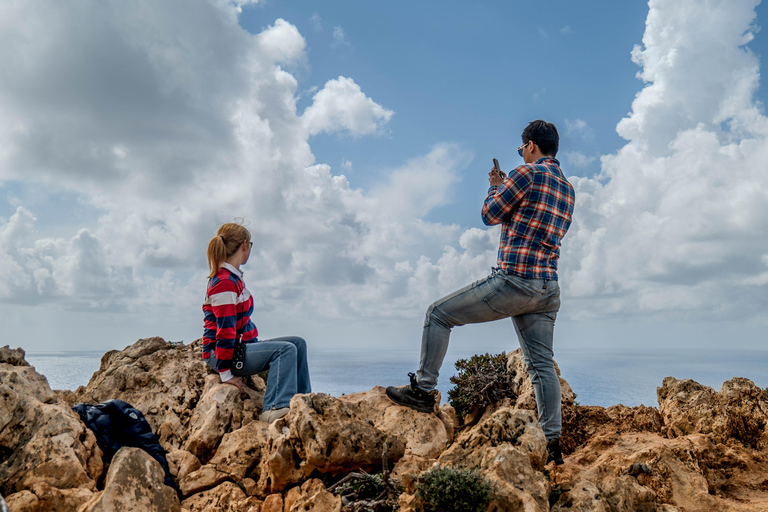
227,241
545,136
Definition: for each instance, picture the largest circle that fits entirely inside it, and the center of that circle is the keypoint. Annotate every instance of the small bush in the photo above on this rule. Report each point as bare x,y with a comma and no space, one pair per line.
482,380
457,490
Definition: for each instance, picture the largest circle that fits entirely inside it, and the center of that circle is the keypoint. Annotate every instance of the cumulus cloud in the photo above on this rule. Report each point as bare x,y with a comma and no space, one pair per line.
676,224
192,132
342,105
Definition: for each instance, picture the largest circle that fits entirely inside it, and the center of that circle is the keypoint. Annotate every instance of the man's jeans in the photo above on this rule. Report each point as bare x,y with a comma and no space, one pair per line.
531,303
286,358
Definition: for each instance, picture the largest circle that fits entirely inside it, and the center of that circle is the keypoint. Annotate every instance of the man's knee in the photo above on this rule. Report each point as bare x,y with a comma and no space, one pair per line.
434,314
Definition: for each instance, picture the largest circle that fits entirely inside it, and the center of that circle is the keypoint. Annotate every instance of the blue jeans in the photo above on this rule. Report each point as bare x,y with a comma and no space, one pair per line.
286,359
532,304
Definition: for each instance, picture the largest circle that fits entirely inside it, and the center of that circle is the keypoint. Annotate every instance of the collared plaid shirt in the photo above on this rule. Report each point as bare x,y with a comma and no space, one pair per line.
534,204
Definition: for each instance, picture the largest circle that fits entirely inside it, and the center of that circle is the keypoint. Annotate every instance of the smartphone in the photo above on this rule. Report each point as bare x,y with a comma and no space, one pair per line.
496,166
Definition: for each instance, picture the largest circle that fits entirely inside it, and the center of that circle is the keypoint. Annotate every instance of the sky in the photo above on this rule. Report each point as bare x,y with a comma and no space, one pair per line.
354,140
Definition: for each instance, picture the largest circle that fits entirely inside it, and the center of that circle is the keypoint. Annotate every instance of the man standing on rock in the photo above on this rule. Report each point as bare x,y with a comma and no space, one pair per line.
534,206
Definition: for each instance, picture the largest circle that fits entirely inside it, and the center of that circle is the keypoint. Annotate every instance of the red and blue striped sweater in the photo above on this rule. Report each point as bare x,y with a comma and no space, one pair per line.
227,308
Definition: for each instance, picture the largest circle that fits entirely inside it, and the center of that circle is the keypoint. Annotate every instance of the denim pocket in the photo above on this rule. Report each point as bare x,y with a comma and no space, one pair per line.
509,298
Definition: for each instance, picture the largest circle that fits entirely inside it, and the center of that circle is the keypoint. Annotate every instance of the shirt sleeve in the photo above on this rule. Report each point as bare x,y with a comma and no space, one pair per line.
224,305
504,198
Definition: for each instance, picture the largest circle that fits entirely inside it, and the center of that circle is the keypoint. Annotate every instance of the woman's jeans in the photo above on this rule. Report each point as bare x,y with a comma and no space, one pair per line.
286,359
531,303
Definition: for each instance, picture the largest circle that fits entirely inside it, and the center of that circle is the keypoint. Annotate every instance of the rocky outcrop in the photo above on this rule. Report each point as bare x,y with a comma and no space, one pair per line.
701,450
48,459
134,482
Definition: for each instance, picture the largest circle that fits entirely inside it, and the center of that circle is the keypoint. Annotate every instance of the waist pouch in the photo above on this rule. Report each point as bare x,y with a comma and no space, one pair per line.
238,355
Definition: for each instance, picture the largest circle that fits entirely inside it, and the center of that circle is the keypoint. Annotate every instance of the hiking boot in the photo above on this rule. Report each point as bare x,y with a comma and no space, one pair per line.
553,451
413,396
273,414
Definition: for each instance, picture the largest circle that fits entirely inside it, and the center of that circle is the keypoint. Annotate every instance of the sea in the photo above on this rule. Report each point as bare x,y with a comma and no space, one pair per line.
598,377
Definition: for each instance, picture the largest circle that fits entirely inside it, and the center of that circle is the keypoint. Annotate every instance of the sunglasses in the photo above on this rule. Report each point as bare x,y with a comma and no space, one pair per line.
520,149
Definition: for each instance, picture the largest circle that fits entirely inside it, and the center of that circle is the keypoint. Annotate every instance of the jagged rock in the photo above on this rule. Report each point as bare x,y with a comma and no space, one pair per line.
321,434
134,482
181,463
426,435
693,472
212,418
311,496
13,356
202,479
273,503
44,447
526,397
227,497
509,448
242,450
44,498
166,382
739,411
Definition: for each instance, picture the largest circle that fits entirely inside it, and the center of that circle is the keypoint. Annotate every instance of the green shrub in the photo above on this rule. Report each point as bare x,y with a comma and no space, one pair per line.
481,381
457,490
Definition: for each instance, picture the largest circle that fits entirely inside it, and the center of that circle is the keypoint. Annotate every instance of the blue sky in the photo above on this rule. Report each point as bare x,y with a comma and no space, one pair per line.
355,139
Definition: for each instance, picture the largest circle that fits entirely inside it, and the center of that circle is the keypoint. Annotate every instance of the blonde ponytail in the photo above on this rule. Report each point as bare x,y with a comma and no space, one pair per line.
227,241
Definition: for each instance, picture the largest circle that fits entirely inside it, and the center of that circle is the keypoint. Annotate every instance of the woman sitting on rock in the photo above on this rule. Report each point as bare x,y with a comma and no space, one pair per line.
228,306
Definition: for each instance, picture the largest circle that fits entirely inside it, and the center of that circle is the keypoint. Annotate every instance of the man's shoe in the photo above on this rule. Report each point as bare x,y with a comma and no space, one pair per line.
413,396
553,451
273,414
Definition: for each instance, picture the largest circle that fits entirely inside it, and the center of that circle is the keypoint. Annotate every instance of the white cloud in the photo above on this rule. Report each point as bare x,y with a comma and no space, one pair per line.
346,164
578,127
677,222
317,22
339,37
578,160
342,105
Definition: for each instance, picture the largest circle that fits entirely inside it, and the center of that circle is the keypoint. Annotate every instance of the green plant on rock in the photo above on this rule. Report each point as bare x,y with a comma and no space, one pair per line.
458,490
481,380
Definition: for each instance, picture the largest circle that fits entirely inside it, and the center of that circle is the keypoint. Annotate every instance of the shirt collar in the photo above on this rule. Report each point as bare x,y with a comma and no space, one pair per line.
232,269
540,160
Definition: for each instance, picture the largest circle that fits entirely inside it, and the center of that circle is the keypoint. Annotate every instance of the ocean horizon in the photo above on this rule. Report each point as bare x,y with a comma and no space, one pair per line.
598,377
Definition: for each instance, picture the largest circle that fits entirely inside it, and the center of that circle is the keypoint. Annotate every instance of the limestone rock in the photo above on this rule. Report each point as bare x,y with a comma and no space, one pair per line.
166,382
212,418
526,397
43,443
321,434
513,427
273,503
181,463
426,435
509,448
312,495
44,498
134,482
738,412
13,356
227,497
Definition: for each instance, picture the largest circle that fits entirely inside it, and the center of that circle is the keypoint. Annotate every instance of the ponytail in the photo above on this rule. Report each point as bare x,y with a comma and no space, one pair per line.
227,241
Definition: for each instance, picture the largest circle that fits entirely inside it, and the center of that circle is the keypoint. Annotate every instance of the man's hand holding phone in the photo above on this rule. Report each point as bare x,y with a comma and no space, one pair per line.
496,176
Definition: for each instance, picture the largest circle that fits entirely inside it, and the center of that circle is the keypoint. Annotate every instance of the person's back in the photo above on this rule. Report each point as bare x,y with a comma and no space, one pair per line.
535,207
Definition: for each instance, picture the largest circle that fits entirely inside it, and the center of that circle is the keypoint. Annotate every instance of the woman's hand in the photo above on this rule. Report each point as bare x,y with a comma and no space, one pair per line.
235,381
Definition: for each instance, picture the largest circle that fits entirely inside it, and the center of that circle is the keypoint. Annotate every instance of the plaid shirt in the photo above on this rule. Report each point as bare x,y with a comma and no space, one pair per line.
227,308
534,204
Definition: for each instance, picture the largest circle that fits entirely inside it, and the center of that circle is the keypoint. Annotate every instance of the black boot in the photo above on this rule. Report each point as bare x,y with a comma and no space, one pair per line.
413,396
553,451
